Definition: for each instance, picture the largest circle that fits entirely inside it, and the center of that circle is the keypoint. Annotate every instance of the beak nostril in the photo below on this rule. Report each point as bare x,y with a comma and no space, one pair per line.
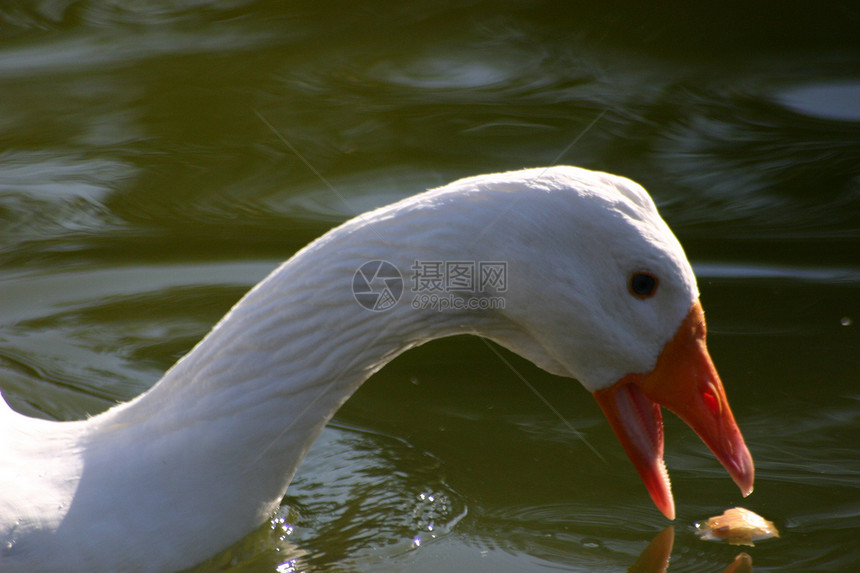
712,401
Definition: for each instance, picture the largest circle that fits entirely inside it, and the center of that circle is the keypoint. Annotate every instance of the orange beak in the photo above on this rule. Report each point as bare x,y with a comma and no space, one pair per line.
686,382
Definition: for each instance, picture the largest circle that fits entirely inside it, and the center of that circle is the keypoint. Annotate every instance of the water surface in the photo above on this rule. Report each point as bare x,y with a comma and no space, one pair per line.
154,164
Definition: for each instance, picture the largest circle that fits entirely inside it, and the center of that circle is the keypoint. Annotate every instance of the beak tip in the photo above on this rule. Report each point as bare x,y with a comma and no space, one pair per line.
744,476
746,486
660,488
669,512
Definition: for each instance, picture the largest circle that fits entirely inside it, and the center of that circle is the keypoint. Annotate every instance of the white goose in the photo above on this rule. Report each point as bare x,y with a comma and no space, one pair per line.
598,289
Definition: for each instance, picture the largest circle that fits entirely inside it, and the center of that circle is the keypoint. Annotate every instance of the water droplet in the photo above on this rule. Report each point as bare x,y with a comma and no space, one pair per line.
846,321
290,566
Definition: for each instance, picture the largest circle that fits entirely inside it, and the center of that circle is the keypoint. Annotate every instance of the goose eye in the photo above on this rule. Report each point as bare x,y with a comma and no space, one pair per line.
643,285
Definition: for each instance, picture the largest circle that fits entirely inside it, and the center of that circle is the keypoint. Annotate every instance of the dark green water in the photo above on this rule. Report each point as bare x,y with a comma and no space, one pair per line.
141,194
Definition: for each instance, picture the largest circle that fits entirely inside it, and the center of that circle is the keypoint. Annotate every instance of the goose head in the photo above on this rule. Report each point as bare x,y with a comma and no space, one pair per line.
602,292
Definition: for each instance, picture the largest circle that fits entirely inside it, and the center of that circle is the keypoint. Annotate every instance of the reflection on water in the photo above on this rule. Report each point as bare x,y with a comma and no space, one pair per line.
141,195
837,101
655,558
